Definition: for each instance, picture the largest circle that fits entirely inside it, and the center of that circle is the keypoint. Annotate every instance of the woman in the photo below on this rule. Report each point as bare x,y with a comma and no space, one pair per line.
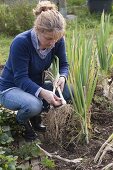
31,53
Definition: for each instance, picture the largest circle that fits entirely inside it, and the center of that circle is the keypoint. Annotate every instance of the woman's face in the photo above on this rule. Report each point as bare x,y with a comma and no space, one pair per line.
47,39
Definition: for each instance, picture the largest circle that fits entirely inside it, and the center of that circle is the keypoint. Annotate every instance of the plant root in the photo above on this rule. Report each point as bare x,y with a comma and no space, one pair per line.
59,157
107,146
108,166
57,119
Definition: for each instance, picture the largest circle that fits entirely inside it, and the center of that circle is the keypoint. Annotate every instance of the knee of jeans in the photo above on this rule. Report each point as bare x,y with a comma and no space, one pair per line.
35,107
29,110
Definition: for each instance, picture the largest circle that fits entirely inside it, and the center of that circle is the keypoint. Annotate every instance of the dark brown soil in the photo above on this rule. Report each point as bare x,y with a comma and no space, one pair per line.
102,128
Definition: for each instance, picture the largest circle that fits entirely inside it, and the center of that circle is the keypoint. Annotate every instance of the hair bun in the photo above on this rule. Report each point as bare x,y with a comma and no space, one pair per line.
44,6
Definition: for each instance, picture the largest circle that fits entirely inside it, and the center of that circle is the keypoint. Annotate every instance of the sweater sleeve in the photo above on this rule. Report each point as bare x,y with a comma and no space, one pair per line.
60,52
20,57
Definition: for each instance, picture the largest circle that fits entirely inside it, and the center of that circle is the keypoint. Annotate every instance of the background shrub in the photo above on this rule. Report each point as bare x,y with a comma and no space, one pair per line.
16,18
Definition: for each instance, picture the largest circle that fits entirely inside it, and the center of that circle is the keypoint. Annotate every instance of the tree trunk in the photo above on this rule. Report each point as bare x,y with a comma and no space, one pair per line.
62,6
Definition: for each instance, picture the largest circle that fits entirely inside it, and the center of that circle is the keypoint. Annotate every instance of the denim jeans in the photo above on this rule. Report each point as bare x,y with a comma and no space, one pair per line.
26,104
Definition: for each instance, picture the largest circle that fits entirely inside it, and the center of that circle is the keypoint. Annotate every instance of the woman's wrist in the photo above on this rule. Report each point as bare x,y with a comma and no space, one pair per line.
64,77
42,93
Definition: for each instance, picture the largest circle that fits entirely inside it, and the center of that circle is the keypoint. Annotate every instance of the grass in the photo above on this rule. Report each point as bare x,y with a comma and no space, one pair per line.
4,48
84,17
77,2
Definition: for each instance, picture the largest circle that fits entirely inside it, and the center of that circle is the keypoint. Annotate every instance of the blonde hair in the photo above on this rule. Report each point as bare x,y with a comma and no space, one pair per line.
48,19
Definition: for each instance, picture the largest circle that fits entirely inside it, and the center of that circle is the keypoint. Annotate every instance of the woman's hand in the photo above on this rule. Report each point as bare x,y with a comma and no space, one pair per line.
60,82
50,97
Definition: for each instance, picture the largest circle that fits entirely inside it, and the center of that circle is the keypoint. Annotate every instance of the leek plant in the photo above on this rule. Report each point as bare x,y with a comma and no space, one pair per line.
104,48
82,77
105,52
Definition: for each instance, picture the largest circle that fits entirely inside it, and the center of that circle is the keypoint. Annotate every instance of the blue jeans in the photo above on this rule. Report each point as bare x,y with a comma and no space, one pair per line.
26,104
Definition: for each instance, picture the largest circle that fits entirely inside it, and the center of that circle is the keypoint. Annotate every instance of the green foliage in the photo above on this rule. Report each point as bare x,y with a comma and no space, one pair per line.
5,134
6,19
82,77
16,18
77,2
4,138
7,162
30,150
27,151
6,117
5,42
104,48
83,17
48,163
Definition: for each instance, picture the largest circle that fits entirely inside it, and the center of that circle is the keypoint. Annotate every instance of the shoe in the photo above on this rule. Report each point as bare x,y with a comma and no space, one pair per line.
37,125
29,134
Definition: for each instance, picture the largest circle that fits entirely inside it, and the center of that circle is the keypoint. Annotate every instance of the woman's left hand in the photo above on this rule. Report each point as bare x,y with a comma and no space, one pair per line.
60,83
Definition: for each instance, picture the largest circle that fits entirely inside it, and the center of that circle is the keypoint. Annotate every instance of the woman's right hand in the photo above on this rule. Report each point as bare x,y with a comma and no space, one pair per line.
50,97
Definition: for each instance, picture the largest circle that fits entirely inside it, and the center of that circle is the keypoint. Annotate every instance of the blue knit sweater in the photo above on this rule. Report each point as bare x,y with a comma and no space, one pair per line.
24,67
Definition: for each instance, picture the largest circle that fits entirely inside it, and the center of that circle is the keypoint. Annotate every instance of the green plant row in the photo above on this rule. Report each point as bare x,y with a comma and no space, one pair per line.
89,56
